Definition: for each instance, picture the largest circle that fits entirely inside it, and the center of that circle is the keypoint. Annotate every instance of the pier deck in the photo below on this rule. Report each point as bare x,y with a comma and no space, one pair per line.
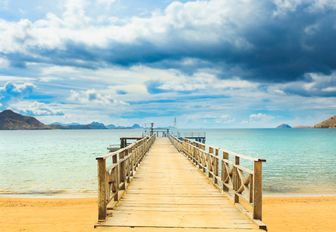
169,193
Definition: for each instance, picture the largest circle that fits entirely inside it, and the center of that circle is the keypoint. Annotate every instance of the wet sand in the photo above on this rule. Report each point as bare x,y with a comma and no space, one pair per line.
79,214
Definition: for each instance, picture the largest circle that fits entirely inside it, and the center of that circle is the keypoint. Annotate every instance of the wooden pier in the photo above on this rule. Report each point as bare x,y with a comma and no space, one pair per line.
165,184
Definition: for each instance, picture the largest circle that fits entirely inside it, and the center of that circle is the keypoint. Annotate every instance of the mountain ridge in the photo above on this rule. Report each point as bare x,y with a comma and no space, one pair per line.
284,126
9,120
328,123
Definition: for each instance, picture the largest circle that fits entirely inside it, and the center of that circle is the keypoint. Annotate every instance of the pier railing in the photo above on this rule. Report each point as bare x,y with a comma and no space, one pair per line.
115,171
242,183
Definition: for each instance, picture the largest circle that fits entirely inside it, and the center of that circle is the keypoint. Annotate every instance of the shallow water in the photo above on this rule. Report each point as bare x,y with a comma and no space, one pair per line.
62,162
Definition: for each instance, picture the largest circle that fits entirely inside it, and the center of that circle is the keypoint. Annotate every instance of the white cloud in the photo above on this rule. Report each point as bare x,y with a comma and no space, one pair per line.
106,3
93,96
315,84
3,63
209,25
35,108
319,5
74,14
284,6
260,117
15,89
203,80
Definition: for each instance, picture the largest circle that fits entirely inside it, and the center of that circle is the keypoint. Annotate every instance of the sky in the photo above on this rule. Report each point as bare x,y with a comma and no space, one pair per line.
209,64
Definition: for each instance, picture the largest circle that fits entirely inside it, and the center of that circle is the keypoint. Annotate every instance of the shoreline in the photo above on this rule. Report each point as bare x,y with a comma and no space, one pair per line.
94,195
289,213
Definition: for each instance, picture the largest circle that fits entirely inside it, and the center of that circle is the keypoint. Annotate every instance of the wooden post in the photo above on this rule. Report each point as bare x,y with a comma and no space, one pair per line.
128,166
209,161
194,153
122,171
117,181
224,173
257,190
236,180
251,188
215,171
132,160
204,163
102,203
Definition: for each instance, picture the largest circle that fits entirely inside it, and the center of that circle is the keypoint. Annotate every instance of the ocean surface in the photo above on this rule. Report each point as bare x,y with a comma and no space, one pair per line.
62,162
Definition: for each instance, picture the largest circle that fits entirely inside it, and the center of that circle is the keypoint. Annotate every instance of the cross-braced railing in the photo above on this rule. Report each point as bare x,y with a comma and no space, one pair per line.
115,171
227,172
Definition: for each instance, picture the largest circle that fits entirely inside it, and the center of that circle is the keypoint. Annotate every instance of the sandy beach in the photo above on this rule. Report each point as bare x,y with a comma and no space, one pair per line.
56,214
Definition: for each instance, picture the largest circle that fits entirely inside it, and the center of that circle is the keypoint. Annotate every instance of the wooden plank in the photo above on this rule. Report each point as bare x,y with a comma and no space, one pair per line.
168,191
162,229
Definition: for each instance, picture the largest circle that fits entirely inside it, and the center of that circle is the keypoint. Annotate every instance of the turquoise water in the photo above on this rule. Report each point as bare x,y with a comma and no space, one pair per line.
53,162
62,162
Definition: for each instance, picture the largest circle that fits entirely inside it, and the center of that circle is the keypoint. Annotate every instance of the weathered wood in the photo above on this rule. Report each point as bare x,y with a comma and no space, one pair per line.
101,189
169,192
257,190
235,180
114,180
216,165
209,162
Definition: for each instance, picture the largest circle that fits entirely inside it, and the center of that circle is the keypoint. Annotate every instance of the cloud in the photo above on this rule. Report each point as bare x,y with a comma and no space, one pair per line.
267,57
286,6
93,96
14,90
244,37
106,3
202,80
35,108
121,92
259,117
314,85
13,95
3,63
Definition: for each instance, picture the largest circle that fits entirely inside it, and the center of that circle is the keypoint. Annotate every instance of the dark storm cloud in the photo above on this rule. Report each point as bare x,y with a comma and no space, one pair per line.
279,48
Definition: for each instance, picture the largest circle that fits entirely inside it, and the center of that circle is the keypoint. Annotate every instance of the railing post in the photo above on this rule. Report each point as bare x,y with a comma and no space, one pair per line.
122,170
257,190
216,164
116,177
128,165
194,154
209,161
236,180
132,160
224,171
101,189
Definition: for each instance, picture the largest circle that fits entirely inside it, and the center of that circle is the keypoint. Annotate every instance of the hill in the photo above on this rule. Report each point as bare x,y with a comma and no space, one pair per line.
77,126
10,120
284,126
329,123
92,125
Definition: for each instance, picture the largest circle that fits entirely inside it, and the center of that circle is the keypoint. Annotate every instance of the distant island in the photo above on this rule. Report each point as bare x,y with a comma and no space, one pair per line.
92,125
329,123
9,120
284,126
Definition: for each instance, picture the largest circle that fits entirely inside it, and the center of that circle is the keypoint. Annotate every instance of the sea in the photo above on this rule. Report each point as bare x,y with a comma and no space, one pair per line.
61,163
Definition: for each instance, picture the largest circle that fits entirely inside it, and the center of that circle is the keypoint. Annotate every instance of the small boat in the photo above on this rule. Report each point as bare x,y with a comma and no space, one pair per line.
113,147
